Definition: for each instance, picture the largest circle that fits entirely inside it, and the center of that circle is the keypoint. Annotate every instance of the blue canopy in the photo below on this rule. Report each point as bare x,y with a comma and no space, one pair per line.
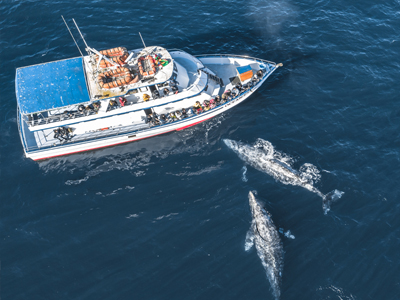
51,85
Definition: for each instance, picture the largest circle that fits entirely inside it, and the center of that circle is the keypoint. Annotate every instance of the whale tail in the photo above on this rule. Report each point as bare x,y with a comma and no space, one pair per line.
329,198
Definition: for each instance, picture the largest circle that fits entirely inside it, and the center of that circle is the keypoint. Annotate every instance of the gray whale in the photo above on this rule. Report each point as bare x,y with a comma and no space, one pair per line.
259,159
265,237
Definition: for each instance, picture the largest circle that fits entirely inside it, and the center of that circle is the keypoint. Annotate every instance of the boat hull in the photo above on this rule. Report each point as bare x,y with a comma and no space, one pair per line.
72,148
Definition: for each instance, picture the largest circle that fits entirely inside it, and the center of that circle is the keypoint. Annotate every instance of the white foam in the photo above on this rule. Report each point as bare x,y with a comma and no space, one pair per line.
244,178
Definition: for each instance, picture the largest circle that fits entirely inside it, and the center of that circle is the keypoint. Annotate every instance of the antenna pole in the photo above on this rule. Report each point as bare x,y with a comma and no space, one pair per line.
88,49
80,33
142,40
72,35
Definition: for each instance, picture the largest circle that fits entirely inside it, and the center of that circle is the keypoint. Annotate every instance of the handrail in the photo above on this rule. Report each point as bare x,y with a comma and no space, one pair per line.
236,55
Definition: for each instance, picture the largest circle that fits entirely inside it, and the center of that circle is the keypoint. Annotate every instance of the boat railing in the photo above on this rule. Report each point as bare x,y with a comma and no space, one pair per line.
235,55
56,115
93,136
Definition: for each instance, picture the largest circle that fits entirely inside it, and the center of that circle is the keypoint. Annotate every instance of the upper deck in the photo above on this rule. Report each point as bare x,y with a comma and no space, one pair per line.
161,74
61,84
51,85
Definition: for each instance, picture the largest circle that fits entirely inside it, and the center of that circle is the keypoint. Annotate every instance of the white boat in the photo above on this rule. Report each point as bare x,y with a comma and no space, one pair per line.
117,96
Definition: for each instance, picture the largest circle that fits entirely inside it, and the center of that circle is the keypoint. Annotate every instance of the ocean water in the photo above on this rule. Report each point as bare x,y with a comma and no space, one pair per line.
166,218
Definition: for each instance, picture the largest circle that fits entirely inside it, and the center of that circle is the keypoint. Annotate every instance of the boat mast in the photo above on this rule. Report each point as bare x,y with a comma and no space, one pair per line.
90,50
142,40
72,35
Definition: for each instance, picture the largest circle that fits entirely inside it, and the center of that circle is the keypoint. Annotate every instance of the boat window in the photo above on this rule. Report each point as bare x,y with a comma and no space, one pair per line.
143,89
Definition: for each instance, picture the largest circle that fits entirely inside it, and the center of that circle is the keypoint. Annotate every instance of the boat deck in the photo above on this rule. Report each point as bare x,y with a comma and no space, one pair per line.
161,75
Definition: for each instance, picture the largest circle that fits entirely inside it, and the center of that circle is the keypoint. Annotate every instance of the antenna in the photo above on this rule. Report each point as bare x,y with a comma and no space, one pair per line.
71,35
90,50
80,34
142,40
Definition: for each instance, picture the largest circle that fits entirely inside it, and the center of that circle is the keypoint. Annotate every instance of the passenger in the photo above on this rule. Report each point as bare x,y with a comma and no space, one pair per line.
197,108
239,87
217,100
178,114
191,111
81,109
96,106
149,118
184,113
206,105
175,89
152,119
156,94
166,92
122,101
255,80
146,97
224,98
113,104
62,134
57,134
171,117
68,114
156,120
163,119
89,109
228,94
260,73
235,92
212,103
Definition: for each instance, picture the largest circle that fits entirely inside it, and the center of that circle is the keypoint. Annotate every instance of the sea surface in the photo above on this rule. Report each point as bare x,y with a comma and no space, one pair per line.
166,218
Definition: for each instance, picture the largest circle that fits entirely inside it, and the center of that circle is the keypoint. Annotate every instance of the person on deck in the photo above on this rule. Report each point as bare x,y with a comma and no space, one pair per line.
172,117
112,104
96,106
122,101
197,108
206,105
163,119
146,97
184,113
178,114
166,92
81,109
212,103
175,89
217,100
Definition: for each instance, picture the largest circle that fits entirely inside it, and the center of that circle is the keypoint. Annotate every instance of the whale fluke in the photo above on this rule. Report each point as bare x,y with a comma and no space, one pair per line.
330,198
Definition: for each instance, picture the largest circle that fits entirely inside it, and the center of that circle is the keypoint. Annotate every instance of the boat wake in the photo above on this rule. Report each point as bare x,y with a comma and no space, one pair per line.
263,157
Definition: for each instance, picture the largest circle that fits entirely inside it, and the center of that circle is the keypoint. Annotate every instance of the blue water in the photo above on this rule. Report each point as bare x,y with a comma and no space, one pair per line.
166,218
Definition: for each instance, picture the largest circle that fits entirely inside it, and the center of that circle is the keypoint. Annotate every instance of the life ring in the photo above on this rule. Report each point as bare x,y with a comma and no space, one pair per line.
104,77
117,55
151,63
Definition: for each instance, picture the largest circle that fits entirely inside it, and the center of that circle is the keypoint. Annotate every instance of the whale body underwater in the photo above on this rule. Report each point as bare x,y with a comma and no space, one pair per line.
264,236
263,159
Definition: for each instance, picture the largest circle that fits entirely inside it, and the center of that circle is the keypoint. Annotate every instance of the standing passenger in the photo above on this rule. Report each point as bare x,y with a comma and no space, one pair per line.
122,101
